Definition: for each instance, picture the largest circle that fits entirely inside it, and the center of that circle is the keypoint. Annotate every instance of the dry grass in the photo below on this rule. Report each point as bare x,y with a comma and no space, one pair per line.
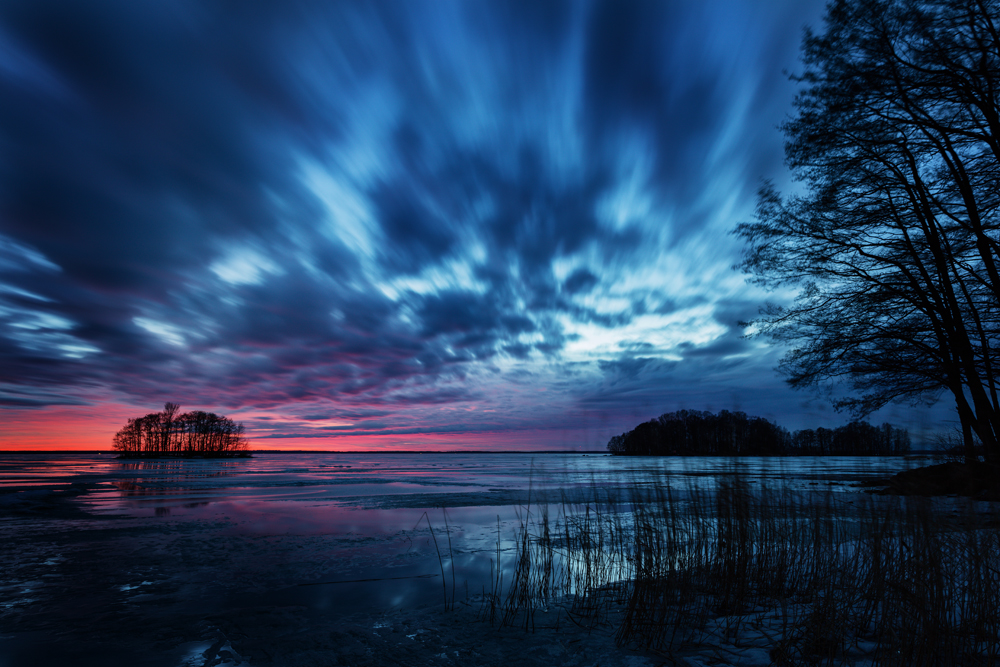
828,576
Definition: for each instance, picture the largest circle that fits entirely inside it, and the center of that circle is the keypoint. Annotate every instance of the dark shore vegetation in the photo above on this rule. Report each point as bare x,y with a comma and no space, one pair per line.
955,478
695,433
822,578
189,434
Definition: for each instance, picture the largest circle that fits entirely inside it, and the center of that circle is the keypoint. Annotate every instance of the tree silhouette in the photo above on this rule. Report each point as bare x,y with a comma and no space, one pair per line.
189,434
893,247
694,433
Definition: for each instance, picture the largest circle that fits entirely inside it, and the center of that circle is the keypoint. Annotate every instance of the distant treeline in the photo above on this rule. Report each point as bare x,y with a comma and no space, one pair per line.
189,434
694,433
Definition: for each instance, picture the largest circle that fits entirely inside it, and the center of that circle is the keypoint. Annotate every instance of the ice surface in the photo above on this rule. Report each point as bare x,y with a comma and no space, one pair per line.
146,551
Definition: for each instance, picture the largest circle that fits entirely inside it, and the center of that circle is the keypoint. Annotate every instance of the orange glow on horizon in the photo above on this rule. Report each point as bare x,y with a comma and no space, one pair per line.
91,428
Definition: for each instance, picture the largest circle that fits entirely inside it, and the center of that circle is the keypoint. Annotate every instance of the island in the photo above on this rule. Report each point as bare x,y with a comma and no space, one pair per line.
696,433
194,434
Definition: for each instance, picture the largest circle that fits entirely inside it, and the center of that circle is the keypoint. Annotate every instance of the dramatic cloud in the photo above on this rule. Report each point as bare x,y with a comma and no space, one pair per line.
352,219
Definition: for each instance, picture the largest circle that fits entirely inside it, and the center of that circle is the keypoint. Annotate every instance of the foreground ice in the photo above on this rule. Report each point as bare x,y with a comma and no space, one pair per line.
315,559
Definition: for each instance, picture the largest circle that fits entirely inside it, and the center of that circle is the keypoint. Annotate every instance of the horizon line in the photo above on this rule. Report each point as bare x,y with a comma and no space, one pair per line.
332,451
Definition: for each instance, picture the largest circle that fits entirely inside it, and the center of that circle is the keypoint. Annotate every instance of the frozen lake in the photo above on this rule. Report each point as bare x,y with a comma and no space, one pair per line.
177,487
105,557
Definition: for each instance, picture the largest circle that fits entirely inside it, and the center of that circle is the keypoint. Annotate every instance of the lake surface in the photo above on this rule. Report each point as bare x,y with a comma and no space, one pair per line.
104,557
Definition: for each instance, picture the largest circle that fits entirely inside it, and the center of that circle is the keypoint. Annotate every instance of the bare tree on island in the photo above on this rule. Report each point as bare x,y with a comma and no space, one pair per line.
189,434
894,246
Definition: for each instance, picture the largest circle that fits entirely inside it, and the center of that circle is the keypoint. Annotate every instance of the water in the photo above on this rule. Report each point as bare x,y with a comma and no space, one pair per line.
152,551
368,480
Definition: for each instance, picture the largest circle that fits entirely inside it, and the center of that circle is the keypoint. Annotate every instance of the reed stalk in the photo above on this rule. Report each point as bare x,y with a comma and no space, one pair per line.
830,577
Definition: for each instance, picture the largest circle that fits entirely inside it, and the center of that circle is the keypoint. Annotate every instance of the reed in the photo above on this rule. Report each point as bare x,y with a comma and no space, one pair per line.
829,577
451,556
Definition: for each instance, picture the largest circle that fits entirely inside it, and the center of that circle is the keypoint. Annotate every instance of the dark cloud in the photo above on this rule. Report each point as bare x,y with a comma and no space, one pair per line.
20,397
725,346
458,312
632,367
579,281
678,75
415,237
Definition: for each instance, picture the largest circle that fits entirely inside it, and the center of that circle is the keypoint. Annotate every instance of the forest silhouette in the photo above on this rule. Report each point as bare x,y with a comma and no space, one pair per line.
695,433
189,434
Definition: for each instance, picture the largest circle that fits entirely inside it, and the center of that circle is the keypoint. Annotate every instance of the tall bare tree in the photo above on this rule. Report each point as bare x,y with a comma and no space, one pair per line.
894,244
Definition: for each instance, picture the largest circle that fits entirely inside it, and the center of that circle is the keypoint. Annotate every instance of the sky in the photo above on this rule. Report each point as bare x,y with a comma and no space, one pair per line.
389,225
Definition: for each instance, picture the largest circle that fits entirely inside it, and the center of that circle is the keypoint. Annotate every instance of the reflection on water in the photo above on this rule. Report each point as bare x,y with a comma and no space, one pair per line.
328,533
360,512
136,488
169,477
